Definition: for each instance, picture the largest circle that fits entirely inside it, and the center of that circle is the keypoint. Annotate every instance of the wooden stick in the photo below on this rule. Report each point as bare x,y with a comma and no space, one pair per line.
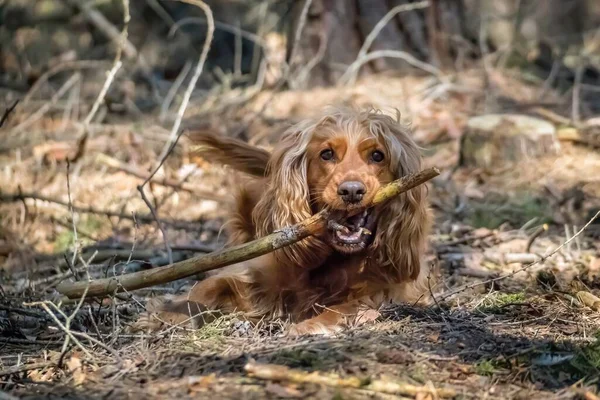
222,258
274,372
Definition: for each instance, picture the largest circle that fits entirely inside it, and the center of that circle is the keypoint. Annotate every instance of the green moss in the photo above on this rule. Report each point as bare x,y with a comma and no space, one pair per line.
587,358
64,241
495,211
495,303
485,368
490,367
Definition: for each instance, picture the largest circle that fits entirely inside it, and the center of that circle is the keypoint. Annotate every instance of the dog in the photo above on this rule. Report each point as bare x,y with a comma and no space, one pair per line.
346,272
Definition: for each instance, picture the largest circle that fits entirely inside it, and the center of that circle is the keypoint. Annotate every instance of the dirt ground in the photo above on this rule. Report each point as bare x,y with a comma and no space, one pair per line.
527,336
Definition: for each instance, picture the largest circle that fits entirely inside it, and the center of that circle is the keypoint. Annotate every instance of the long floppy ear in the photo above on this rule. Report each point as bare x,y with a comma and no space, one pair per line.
286,198
404,222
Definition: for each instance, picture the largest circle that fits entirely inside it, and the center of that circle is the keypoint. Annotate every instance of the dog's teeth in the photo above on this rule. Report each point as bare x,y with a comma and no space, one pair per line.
365,231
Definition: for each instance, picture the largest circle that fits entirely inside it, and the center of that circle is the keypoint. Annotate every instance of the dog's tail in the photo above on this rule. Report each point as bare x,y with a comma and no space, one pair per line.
228,151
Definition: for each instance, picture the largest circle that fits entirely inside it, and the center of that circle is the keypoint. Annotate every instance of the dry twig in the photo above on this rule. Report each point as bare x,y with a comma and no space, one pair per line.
104,26
145,218
17,369
7,112
33,118
376,30
247,251
122,46
355,66
274,372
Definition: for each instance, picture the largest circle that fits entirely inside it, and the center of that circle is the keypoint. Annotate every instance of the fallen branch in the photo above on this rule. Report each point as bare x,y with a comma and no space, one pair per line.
273,372
142,218
223,258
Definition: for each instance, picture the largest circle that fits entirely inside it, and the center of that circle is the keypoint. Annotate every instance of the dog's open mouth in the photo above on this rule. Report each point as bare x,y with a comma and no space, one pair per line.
351,233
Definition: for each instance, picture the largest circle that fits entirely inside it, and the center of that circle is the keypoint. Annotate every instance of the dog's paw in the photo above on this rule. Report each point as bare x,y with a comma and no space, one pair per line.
147,323
312,328
163,313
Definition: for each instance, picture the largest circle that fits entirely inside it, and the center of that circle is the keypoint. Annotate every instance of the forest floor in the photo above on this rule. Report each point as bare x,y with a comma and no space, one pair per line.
528,336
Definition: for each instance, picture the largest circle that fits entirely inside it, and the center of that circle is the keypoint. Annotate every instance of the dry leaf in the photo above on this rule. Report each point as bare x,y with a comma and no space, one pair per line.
434,337
44,375
286,392
75,366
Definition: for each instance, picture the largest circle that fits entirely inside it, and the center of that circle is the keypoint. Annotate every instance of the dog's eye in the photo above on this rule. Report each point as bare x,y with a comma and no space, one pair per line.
377,156
327,154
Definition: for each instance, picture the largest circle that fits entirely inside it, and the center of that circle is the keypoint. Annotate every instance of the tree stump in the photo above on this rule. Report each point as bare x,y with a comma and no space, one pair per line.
496,139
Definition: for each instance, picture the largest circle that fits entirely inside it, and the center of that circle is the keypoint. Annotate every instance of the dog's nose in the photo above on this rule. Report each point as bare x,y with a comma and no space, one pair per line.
352,191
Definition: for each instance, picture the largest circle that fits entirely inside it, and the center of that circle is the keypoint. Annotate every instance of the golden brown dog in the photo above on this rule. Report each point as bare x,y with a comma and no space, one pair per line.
337,161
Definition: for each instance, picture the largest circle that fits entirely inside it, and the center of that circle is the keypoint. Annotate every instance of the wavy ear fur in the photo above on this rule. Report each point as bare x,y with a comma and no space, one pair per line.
404,222
286,198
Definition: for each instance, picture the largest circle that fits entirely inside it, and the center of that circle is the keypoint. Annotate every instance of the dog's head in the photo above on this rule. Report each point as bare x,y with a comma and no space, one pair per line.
338,162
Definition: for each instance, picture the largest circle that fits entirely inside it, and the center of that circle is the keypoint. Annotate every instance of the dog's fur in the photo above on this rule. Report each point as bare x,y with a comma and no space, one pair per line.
320,284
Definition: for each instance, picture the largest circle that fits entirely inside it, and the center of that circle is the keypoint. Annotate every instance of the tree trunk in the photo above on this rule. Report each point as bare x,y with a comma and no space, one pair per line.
494,139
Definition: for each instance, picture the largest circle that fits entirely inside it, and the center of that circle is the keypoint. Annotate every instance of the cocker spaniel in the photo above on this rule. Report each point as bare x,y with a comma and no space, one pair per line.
338,277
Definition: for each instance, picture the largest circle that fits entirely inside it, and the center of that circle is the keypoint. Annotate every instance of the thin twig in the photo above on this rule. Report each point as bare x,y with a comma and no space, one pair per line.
576,107
33,118
145,218
79,65
7,112
298,35
236,30
175,134
104,26
154,213
355,66
110,76
117,63
75,238
166,104
26,367
64,328
380,25
537,233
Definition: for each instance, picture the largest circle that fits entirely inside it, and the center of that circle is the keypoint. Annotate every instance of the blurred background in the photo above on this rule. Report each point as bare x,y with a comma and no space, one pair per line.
97,96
